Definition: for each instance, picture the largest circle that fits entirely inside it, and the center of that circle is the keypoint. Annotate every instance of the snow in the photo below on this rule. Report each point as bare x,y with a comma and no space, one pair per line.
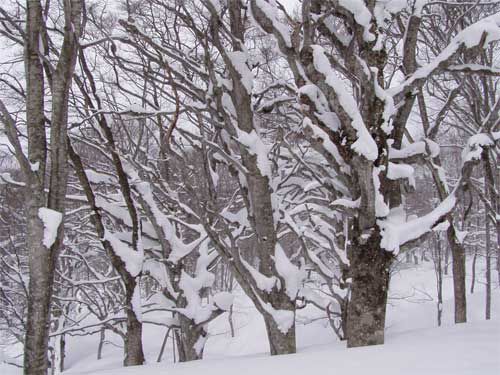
264,283
476,143
414,344
364,145
381,208
239,62
136,302
362,16
97,177
423,148
51,220
469,37
223,300
271,12
131,258
395,233
456,350
292,275
401,171
258,148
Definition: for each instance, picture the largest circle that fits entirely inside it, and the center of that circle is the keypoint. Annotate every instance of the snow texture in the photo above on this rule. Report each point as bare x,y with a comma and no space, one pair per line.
364,145
51,220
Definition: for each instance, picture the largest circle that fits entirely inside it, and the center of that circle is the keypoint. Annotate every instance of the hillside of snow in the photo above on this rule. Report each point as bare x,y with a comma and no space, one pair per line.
414,343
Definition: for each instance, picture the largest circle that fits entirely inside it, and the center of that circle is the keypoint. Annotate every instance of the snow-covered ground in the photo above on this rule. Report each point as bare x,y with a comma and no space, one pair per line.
414,343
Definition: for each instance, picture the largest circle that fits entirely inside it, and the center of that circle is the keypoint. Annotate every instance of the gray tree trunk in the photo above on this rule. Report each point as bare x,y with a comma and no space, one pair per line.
370,283
42,260
458,270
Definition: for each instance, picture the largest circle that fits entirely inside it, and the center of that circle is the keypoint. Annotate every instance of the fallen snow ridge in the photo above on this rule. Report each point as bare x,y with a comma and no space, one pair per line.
465,349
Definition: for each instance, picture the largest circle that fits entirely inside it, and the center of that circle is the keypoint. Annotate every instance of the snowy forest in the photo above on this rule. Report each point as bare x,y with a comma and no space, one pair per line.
249,186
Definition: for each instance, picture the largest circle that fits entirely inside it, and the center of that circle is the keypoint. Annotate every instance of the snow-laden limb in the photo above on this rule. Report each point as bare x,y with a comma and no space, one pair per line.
362,16
364,145
292,275
423,148
269,8
253,142
131,258
192,287
395,232
401,171
477,143
263,283
474,68
51,220
239,61
178,248
99,177
347,203
479,34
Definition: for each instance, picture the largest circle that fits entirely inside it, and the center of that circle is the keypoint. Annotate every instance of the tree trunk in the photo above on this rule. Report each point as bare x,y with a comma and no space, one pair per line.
370,283
488,266
102,336
62,352
134,354
439,278
190,340
458,269
163,345
230,319
133,342
279,342
473,281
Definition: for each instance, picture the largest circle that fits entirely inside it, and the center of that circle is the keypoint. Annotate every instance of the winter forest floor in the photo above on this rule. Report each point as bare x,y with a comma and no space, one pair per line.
414,343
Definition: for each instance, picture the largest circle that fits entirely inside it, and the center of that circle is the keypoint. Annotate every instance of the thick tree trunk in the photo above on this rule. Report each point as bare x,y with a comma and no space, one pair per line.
134,354
190,340
279,342
458,269
370,283
133,342
40,292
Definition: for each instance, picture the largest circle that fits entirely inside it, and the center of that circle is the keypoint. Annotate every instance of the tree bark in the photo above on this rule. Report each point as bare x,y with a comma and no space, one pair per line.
280,342
190,340
42,260
488,265
370,283
134,354
458,270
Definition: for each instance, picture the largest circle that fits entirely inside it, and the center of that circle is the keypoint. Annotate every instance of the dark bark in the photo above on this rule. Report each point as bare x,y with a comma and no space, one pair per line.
488,266
102,337
190,340
279,342
134,354
458,270
473,281
370,282
42,260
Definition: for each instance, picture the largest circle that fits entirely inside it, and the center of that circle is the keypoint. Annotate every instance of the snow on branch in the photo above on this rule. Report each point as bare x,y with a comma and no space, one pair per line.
395,234
479,34
364,145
